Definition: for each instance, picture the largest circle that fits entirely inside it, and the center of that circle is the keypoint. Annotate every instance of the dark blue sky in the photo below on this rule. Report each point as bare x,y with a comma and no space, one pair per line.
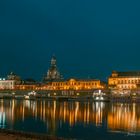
88,37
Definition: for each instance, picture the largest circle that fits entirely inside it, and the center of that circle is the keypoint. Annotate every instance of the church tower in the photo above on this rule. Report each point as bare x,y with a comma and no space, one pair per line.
53,73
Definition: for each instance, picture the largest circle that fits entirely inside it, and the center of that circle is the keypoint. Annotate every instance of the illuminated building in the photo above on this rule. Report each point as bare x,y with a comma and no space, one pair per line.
13,76
124,80
53,73
28,84
74,84
26,87
6,84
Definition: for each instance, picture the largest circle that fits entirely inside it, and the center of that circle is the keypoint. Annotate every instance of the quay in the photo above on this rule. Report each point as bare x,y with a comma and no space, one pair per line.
97,96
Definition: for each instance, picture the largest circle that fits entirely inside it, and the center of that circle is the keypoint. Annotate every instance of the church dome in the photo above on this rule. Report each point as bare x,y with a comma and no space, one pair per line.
53,73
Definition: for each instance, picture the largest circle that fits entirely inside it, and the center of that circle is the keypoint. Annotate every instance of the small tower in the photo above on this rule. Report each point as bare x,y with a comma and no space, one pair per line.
13,76
53,61
53,73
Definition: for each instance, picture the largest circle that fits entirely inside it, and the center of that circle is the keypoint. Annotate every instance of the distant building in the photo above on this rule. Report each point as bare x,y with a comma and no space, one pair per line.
27,87
124,80
29,81
53,73
27,84
6,84
16,78
73,84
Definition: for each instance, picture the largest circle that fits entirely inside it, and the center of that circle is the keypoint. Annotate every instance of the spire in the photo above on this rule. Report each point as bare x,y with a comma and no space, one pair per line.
53,56
53,73
53,61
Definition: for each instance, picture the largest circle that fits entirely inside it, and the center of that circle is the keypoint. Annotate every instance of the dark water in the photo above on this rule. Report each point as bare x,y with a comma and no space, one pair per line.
77,120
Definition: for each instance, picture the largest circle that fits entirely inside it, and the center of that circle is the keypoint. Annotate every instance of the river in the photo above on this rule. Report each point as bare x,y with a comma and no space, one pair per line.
80,120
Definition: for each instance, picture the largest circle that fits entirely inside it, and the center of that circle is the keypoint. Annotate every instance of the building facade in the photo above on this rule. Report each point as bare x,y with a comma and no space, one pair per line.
16,78
6,84
74,84
27,87
124,80
53,73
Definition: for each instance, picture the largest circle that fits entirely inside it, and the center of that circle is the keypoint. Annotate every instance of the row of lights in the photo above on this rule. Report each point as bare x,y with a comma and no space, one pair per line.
2,79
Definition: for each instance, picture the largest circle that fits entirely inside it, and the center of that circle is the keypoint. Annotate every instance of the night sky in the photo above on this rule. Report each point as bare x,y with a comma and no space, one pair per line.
90,38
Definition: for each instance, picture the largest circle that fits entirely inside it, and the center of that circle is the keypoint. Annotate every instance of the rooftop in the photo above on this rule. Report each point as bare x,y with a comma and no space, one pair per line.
125,74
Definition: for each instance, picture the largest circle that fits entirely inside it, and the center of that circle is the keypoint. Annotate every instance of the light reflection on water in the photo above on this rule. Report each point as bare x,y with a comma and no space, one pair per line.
75,118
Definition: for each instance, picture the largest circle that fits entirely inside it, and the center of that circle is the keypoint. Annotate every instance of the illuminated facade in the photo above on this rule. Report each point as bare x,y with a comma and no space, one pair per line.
26,87
74,84
124,80
71,84
13,76
7,84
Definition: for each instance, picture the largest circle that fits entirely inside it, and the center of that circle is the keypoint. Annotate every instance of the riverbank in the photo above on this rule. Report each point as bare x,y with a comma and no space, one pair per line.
19,135
80,96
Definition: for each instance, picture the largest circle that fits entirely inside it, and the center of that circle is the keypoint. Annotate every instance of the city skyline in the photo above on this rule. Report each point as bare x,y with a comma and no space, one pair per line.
53,74
50,73
66,77
69,69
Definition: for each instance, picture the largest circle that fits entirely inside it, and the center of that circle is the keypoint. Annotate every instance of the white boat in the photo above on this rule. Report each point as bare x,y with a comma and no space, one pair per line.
32,93
99,98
